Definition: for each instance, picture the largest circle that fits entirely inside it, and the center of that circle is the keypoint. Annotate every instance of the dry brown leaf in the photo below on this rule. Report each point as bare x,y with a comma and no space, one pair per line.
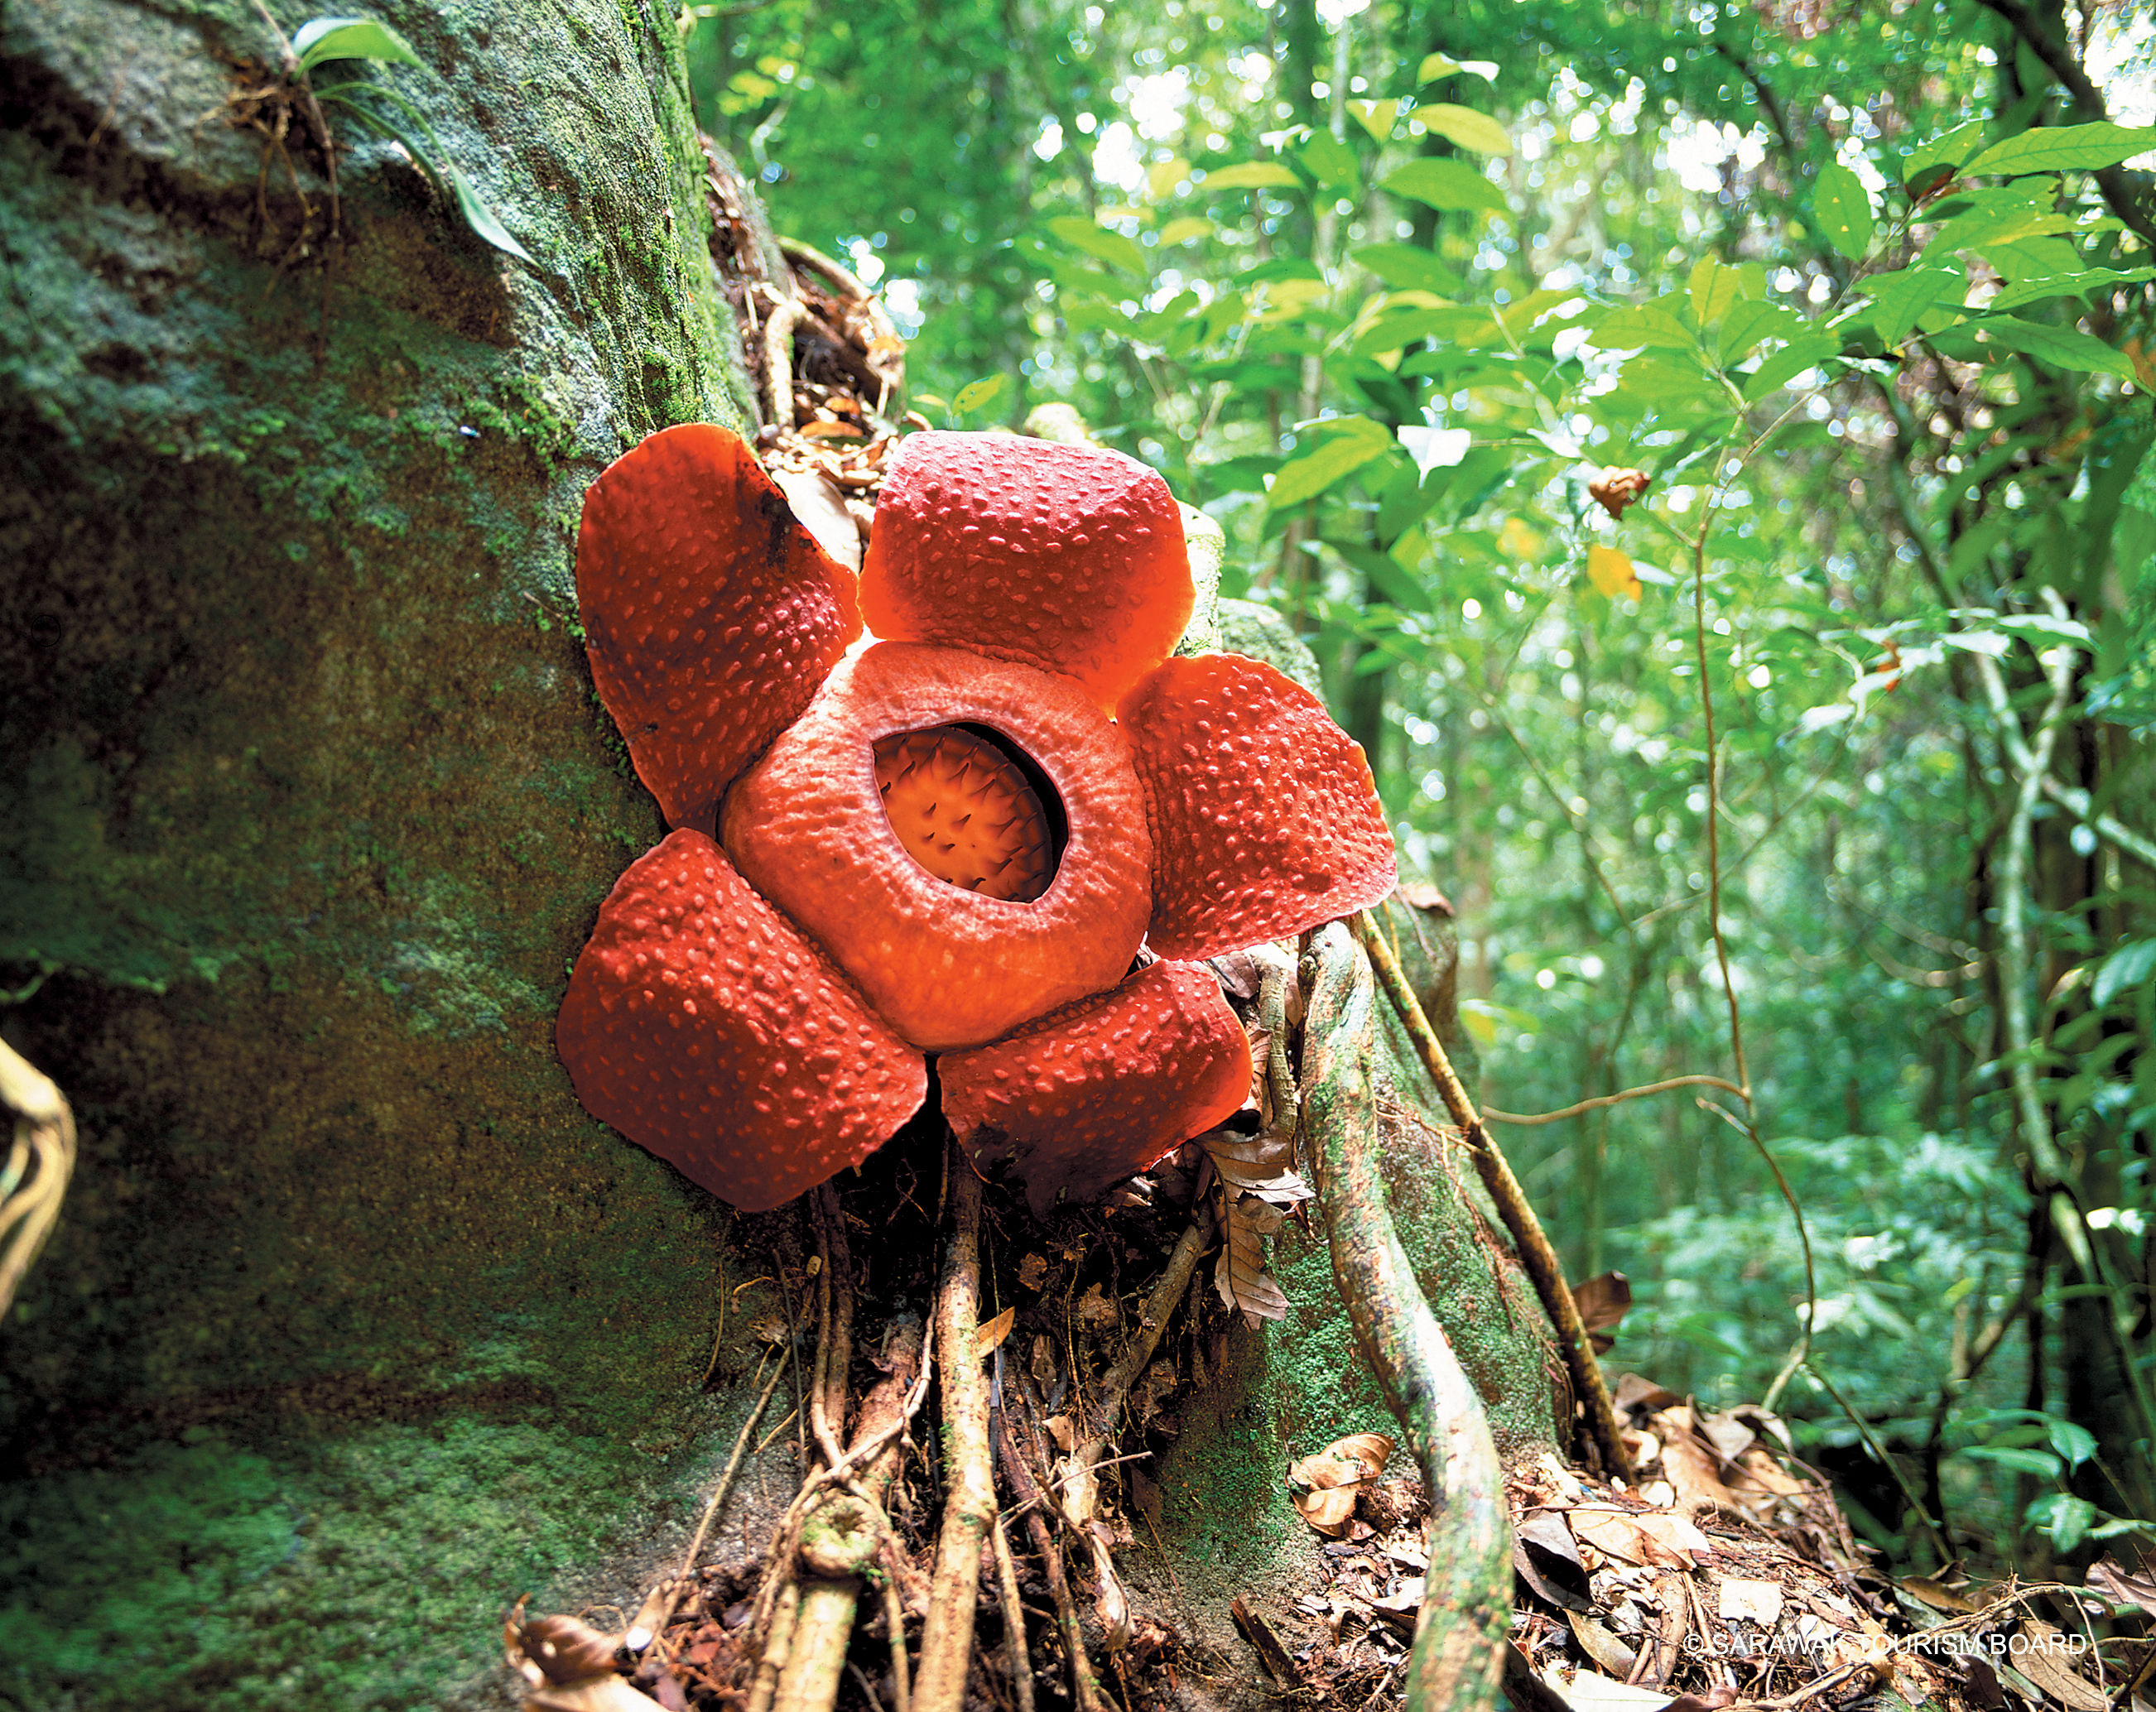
1328,1510
1360,1456
1239,1274
990,1337
1077,1489
1548,1559
1755,1602
1042,1366
1730,1436
1063,1432
1098,1309
1633,1392
1695,1472
1032,1271
1935,1594
2050,1661
816,500
1763,1471
1262,1163
2121,1586
1604,1648
597,1693
1604,1301
1656,1537
1401,1607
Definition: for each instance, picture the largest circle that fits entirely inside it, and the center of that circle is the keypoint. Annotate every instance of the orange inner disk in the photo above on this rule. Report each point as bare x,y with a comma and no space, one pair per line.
964,812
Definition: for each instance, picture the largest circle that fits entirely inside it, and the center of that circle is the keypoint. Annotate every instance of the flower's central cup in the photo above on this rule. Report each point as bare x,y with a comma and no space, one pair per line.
962,807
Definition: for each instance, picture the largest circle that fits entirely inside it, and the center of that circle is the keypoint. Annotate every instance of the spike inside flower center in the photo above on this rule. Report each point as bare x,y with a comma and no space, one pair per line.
966,806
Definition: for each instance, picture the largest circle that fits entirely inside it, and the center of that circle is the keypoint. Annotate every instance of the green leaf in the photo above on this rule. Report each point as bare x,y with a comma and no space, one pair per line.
976,395
1749,322
1251,175
1387,575
1331,159
480,218
1642,326
1376,117
2078,284
1714,290
1898,298
1950,148
2059,346
2076,1443
1451,186
1436,65
2128,967
1112,248
1354,442
1405,267
1466,127
1786,364
322,39
2039,1462
2063,148
2032,259
1843,207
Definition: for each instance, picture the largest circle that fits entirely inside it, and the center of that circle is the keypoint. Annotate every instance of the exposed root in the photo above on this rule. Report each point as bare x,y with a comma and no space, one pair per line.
40,1160
946,1639
1083,1689
1014,1649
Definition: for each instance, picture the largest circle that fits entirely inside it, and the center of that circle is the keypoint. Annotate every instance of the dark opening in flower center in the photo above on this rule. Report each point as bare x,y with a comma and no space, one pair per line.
970,810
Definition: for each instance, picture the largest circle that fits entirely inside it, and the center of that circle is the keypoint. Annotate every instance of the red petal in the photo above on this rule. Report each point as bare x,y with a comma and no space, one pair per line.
1065,557
702,1026
948,967
1092,1093
1264,818
711,615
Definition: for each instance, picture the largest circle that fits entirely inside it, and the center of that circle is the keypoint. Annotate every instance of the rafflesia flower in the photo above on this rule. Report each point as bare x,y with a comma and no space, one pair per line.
953,840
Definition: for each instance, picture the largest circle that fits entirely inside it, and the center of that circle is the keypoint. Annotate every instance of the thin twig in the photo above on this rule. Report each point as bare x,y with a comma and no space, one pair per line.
1014,1647
1490,1114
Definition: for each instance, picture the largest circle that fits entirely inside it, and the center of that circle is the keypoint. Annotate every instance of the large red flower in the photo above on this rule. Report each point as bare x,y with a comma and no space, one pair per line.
954,839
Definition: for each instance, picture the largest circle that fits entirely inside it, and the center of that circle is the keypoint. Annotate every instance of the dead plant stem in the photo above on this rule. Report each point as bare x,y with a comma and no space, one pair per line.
1490,1115
1014,1649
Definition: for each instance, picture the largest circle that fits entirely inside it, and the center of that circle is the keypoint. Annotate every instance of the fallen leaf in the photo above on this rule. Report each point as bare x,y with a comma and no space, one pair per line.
1239,1274
1934,1594
1033,1272
991,1335
1590,1691
1755,1602
1328,1510
1636,1393
1604,1302
2121,1586
2050,1660
1730,1436
1401,1607
1097,1309
1604,1648
816,500
1656,1537
1548,1559
1360,1456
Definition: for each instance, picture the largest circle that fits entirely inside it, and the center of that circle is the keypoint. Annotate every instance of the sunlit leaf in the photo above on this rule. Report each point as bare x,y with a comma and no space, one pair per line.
1900,297
977,395
1641,326
1333,461
1610,570
1451,186
1714,289
1435,448
1164,175
1785,365
1184,228
321,40
1748,323
1519,540
1252,175
1112,248
1405,267
1436,65
1950,148
1466,127
1377,117
2062,148
1843,207
2081,282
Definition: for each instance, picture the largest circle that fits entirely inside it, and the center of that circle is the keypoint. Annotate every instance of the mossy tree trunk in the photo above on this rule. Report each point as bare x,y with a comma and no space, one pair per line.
356,1326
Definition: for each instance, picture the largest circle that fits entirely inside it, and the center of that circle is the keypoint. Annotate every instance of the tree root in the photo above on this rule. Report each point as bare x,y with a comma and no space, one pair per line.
1536,1256
1084,1691
1458,1650
969,1508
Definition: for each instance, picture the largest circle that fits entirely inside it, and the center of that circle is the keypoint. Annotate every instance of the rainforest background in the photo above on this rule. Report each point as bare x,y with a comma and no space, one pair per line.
1864,289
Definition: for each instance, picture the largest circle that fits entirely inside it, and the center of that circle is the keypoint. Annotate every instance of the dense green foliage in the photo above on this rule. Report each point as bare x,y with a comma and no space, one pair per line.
1865,289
